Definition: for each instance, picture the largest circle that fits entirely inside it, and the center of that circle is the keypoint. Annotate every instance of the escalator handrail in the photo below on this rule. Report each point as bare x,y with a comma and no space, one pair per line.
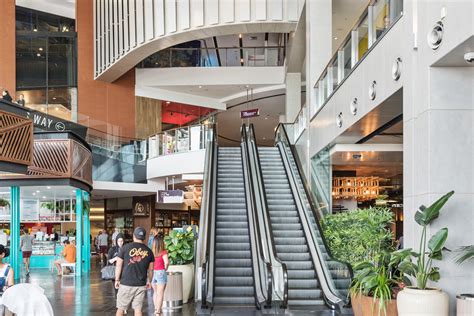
333,303
310,199
268,266
266,215
210,193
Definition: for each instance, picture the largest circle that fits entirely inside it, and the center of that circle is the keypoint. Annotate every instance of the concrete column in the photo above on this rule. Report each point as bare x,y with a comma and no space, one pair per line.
15,231
79,224
439,157
293,96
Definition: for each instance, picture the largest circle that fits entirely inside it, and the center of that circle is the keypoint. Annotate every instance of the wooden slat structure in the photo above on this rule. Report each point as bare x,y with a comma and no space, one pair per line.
57,158
16,141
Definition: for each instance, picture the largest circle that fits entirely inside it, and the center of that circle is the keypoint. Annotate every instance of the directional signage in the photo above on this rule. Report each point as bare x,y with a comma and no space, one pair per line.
249,113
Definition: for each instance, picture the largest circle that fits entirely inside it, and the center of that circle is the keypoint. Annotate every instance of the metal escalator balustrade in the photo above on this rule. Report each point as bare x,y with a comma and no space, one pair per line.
335,276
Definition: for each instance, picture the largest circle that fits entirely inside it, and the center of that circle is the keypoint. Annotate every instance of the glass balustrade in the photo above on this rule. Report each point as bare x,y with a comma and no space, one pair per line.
178,140
374,22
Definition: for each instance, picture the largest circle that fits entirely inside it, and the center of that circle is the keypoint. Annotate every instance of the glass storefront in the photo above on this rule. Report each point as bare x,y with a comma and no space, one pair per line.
46,63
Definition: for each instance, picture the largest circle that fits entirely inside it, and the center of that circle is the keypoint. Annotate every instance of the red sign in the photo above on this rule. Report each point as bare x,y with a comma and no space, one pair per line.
249,113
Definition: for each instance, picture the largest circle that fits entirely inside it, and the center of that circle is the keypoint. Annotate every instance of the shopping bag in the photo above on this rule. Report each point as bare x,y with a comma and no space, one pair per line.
108,273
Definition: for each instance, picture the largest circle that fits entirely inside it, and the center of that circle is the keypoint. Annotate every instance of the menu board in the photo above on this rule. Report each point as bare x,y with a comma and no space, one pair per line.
29,210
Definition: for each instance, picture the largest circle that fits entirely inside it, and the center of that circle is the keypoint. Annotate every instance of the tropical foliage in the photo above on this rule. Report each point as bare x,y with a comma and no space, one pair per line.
180,247
380,279
466,253
359,235
422,269
4,202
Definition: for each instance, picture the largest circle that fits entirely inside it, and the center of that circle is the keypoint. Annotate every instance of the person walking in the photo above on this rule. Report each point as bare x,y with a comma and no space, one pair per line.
153,232
26,246
159,272
6,271
133,273
113,253
114,235
103,242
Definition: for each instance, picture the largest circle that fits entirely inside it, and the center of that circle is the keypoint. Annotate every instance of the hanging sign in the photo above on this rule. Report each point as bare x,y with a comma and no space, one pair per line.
249,113
170,196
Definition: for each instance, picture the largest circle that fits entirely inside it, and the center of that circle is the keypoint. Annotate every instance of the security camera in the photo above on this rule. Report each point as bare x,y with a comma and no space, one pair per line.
469,57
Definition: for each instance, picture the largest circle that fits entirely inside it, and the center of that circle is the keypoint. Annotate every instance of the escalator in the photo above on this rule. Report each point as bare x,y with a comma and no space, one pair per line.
314,277
233,272
234,279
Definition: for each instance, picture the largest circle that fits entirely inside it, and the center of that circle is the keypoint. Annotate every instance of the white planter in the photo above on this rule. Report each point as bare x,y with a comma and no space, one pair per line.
188,279
415,302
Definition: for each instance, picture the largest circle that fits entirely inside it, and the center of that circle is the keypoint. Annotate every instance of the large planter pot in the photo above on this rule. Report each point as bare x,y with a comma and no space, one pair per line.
366,306
465,305
415,302
188,279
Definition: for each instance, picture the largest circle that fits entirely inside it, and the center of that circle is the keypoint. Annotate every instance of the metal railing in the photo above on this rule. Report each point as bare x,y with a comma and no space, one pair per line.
375,21
279,269
262,266
263,56
205,251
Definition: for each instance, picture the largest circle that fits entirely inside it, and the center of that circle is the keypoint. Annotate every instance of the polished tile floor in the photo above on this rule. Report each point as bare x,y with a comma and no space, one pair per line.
89,295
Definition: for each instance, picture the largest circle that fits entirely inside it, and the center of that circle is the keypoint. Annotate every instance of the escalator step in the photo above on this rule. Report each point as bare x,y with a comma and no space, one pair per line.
302,283
233,246
233,272
291,248
301,274
234,281
233,254
290,256
232,239
308,294
230,301
234,291
235,263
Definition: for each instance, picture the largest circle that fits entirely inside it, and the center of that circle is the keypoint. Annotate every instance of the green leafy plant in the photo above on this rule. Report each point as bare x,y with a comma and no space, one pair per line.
429,250
380,279
180,247
359,235
466,253
4,203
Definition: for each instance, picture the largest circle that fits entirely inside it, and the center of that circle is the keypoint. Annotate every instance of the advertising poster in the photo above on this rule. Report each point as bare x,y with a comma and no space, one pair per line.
29,210
170,196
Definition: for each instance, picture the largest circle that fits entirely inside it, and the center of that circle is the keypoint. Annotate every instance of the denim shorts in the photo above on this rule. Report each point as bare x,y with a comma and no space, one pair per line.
159,277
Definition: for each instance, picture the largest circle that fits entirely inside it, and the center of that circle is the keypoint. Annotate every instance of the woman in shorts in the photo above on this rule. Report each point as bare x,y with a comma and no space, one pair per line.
159,272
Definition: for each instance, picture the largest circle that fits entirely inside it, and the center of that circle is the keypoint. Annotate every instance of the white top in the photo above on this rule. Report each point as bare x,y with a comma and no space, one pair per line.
103,240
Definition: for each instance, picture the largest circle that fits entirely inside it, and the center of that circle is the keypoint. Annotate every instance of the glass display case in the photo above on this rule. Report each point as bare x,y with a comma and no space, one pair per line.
44,248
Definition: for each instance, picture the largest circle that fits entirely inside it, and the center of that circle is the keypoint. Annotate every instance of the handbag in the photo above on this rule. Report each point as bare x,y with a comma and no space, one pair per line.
108,273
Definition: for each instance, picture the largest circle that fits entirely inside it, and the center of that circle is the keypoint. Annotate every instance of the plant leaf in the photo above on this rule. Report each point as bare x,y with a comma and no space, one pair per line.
434,275
427,214
466,253
437,241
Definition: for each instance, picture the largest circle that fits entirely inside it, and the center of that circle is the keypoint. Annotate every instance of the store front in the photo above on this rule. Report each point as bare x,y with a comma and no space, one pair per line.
51,201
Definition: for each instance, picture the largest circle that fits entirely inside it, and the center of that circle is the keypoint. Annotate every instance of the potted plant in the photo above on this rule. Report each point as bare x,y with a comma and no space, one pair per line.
376,284
421,299
465,301
180,247
4,203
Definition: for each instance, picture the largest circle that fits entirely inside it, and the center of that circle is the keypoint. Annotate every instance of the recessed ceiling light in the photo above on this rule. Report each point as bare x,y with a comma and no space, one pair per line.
56,108
240,35
44,197
35,30
168,102
266,118
335,38
200,87
48,188
39,55
54,98
241,60
40,49
34,193
37,191
264,138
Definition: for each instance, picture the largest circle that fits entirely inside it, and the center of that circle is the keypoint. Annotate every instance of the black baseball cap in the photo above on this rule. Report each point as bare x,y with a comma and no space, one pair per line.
139,233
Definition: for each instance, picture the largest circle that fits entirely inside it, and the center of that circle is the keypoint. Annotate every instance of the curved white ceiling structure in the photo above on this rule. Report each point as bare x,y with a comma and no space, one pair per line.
121,42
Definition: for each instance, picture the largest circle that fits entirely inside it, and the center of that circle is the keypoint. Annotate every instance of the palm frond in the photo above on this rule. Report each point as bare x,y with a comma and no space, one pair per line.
465,253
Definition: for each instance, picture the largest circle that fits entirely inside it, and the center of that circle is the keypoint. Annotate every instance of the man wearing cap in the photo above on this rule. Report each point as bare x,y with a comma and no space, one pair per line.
133,273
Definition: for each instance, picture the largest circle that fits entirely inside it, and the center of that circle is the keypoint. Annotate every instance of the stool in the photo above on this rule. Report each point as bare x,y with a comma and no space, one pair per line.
71,266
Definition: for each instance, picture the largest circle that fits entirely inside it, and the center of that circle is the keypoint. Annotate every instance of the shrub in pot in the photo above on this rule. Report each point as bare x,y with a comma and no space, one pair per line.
375,284
180,248
421,299
465,301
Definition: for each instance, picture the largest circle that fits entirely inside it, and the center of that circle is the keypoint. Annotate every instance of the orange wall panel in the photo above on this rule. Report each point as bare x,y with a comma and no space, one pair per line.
108,107
7,46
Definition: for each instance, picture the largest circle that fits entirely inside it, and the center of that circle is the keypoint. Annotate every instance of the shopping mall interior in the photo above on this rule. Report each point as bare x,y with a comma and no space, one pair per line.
296,157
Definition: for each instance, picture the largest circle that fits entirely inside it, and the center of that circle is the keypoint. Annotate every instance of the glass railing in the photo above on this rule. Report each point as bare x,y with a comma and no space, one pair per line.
337,275
264,56
373,24
179,140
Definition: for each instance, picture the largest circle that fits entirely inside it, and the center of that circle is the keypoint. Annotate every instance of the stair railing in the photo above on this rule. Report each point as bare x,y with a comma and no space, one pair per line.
279,269
262,266
206,251
311,224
